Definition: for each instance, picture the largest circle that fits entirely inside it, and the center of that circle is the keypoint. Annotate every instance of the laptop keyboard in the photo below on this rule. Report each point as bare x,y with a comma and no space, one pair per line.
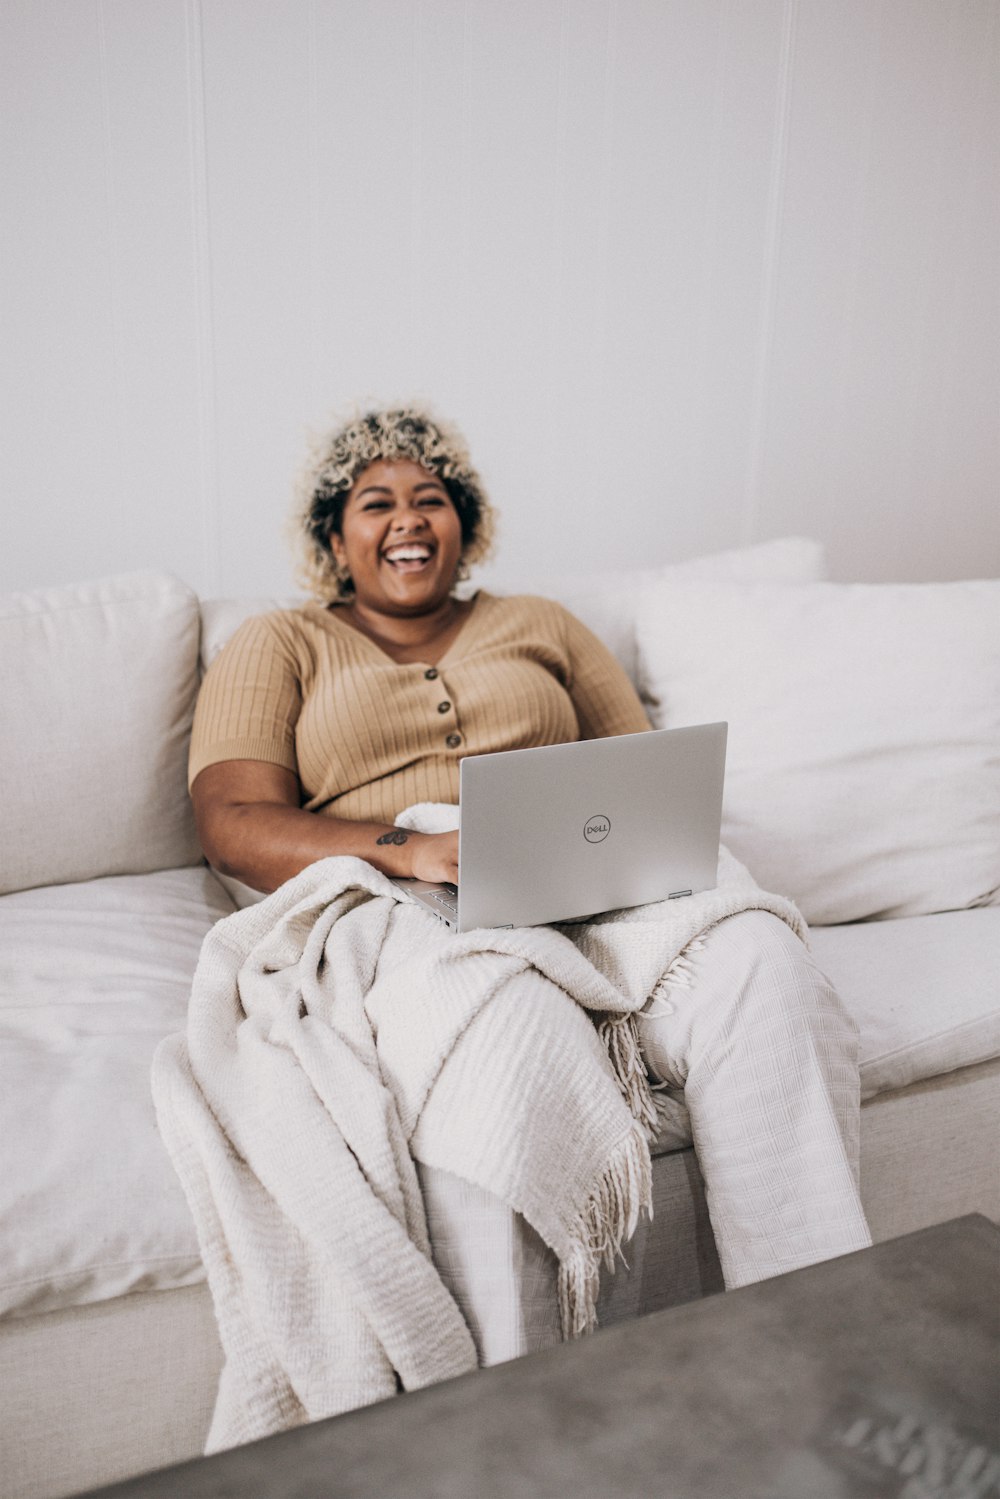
448,898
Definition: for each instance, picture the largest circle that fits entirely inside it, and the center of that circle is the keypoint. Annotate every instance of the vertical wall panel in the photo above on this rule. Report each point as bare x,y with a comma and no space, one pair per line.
691,233
256,80
954,453
60,468
881,302
436,198
541,245
365,194
510,120
151,247
659,222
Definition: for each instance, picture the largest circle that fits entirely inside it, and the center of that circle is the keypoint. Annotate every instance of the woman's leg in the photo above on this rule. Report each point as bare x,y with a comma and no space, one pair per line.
768,1060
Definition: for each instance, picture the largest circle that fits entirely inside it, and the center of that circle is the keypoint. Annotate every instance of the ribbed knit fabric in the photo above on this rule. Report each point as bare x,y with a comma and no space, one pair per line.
368,736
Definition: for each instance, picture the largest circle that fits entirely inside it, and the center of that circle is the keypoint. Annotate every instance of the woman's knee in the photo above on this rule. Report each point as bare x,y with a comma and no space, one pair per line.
755,946
751,983
757,937
770,982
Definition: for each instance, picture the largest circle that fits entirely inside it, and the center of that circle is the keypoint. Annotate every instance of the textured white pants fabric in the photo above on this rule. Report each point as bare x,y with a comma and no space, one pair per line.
767,1058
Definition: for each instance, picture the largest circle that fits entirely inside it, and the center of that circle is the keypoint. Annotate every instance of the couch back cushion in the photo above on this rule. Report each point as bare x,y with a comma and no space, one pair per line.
99,683
221,618
605,602
863,771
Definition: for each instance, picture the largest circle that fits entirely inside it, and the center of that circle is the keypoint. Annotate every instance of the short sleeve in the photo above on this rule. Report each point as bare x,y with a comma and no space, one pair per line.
604,698
250,700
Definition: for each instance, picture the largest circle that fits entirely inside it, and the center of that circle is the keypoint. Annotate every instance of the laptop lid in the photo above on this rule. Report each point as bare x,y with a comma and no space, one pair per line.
569,830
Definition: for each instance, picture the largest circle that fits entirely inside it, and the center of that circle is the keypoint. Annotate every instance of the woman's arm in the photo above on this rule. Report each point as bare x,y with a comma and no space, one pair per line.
252,828
604,698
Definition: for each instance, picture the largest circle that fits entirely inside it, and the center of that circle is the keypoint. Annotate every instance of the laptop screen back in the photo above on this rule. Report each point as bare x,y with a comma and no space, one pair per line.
570,830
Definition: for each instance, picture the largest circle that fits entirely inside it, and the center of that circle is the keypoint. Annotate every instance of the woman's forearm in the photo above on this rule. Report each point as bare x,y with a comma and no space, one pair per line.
253,829
264,844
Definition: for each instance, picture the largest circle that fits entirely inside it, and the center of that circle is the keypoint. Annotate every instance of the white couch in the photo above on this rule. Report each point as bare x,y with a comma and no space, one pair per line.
863,779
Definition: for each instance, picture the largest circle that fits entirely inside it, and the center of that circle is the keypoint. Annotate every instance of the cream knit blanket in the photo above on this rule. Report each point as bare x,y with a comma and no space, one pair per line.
336,1033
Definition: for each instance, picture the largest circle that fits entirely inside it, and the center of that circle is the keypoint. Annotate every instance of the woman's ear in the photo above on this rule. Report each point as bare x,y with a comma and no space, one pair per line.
337,548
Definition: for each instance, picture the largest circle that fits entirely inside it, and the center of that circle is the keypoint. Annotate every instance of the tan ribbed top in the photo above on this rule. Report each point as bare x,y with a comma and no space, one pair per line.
367,736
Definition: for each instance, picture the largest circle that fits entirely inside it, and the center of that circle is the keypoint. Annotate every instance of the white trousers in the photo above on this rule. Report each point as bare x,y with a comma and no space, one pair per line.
767,1058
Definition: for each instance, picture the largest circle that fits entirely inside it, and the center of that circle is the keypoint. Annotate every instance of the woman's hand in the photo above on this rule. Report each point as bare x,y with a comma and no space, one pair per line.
435,857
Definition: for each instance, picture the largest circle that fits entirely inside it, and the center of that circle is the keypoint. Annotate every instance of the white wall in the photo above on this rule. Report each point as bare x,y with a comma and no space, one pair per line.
688,272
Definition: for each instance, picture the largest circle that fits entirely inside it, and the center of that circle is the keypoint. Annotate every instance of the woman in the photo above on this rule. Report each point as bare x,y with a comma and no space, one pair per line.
364,702
317,726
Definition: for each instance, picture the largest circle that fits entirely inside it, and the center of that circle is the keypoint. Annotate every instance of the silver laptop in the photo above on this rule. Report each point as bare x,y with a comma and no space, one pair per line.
571,830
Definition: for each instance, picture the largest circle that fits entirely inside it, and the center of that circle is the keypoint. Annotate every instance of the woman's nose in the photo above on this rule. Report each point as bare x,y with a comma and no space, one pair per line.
409,520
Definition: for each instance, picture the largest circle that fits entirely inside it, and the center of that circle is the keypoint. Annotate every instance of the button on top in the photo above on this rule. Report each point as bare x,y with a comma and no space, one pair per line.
431,673
444,707
453,741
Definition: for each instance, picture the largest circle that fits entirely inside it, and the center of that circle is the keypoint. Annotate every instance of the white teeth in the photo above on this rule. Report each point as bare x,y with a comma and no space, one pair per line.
407,554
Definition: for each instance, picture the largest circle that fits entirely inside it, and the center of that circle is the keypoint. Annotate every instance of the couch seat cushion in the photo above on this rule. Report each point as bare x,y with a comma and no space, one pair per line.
924,990
93,975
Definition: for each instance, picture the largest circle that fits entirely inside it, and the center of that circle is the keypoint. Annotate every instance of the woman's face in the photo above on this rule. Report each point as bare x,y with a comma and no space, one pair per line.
400,538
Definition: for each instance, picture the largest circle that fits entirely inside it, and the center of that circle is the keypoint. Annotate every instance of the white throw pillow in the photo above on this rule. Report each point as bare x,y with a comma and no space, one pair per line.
98,683
863,773
606,602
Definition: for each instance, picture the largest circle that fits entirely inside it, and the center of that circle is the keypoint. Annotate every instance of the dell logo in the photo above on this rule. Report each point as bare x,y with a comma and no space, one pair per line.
596,829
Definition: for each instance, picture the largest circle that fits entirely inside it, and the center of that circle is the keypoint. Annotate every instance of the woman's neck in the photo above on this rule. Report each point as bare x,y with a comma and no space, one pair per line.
410,637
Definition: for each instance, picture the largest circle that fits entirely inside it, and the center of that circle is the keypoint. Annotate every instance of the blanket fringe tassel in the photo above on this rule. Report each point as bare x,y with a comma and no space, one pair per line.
612,1212
620,1035
609,1218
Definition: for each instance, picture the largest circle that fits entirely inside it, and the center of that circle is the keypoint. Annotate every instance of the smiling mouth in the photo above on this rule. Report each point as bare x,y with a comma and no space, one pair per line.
408,557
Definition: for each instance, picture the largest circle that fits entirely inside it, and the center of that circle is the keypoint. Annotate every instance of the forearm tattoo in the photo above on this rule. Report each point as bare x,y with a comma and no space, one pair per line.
396,836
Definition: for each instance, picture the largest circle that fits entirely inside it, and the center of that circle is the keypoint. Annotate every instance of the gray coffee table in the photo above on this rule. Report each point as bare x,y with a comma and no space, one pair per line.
873,1376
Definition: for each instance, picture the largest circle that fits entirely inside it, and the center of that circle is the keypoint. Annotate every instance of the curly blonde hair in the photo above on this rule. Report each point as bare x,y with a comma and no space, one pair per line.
338,458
